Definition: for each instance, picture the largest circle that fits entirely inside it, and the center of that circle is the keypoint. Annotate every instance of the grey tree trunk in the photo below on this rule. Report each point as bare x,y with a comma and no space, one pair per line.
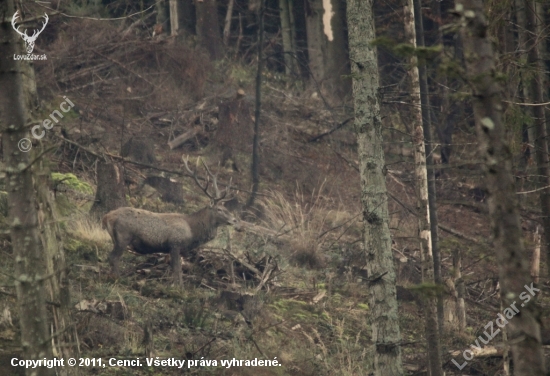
383,314
541,136
66,343
174,17
255,166
162,15
288,41
428,138
227,25
421,185
22,215
336,59
314,29
523,328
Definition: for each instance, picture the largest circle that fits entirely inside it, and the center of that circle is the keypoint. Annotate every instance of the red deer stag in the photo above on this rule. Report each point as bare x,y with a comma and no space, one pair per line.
146,232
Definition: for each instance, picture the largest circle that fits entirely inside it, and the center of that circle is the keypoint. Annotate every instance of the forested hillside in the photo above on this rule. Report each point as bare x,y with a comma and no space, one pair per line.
309,187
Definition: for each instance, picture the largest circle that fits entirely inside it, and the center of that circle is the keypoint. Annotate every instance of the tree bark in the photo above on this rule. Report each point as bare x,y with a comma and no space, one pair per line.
22,215
336,60
314,29
422,206
428,138
541,136
227,25
524,329
288,41
162,16
174,17
208,32
65,344
383,314
255,167
111,193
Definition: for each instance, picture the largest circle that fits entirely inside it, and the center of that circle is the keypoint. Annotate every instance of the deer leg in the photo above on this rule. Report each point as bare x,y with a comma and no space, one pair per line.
175,262
114,258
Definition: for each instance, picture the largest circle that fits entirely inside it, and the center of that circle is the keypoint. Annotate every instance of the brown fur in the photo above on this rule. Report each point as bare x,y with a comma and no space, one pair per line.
146,232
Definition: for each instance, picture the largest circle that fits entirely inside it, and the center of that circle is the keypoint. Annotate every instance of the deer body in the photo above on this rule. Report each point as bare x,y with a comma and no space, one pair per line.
146,232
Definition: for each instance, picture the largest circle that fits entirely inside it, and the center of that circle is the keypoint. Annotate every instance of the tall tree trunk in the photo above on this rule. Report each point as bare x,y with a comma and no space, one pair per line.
383,314
444,123
528,131
541,137
336,59
288,42
524,329
428,138
421,185
314,29
208,29
162,15
29,273
174,17
66,344
258,109
227,25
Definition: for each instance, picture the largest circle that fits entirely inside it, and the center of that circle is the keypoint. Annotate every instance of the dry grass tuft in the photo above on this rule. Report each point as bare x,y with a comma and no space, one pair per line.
89,231
305,221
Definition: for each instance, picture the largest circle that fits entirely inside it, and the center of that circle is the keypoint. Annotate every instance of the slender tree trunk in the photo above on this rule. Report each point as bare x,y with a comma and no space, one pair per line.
314,29
22,215
383,314
541,137
421,185
286,31
514,278
428,138
535,260
522,46
444,123
336,60
258,110
162,15
460,309
174,17
227,26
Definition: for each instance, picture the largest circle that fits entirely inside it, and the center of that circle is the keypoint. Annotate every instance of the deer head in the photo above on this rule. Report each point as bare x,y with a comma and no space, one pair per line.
217,199
29,40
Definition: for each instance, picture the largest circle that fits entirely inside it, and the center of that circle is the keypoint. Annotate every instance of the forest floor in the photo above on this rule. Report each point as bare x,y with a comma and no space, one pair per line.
293,286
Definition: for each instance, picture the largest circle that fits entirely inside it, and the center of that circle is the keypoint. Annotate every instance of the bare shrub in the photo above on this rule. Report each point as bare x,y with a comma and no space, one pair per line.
107,66
304,220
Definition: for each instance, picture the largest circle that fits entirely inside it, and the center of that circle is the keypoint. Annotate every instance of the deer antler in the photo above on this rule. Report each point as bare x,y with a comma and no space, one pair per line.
15,16
29,40
218,196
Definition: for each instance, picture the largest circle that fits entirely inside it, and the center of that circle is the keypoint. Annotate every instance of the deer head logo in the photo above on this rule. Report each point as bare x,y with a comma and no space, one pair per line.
29,40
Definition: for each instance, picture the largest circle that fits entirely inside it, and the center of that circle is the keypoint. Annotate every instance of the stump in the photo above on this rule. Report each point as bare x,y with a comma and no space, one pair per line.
235,130
110,193
141,151
170,191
